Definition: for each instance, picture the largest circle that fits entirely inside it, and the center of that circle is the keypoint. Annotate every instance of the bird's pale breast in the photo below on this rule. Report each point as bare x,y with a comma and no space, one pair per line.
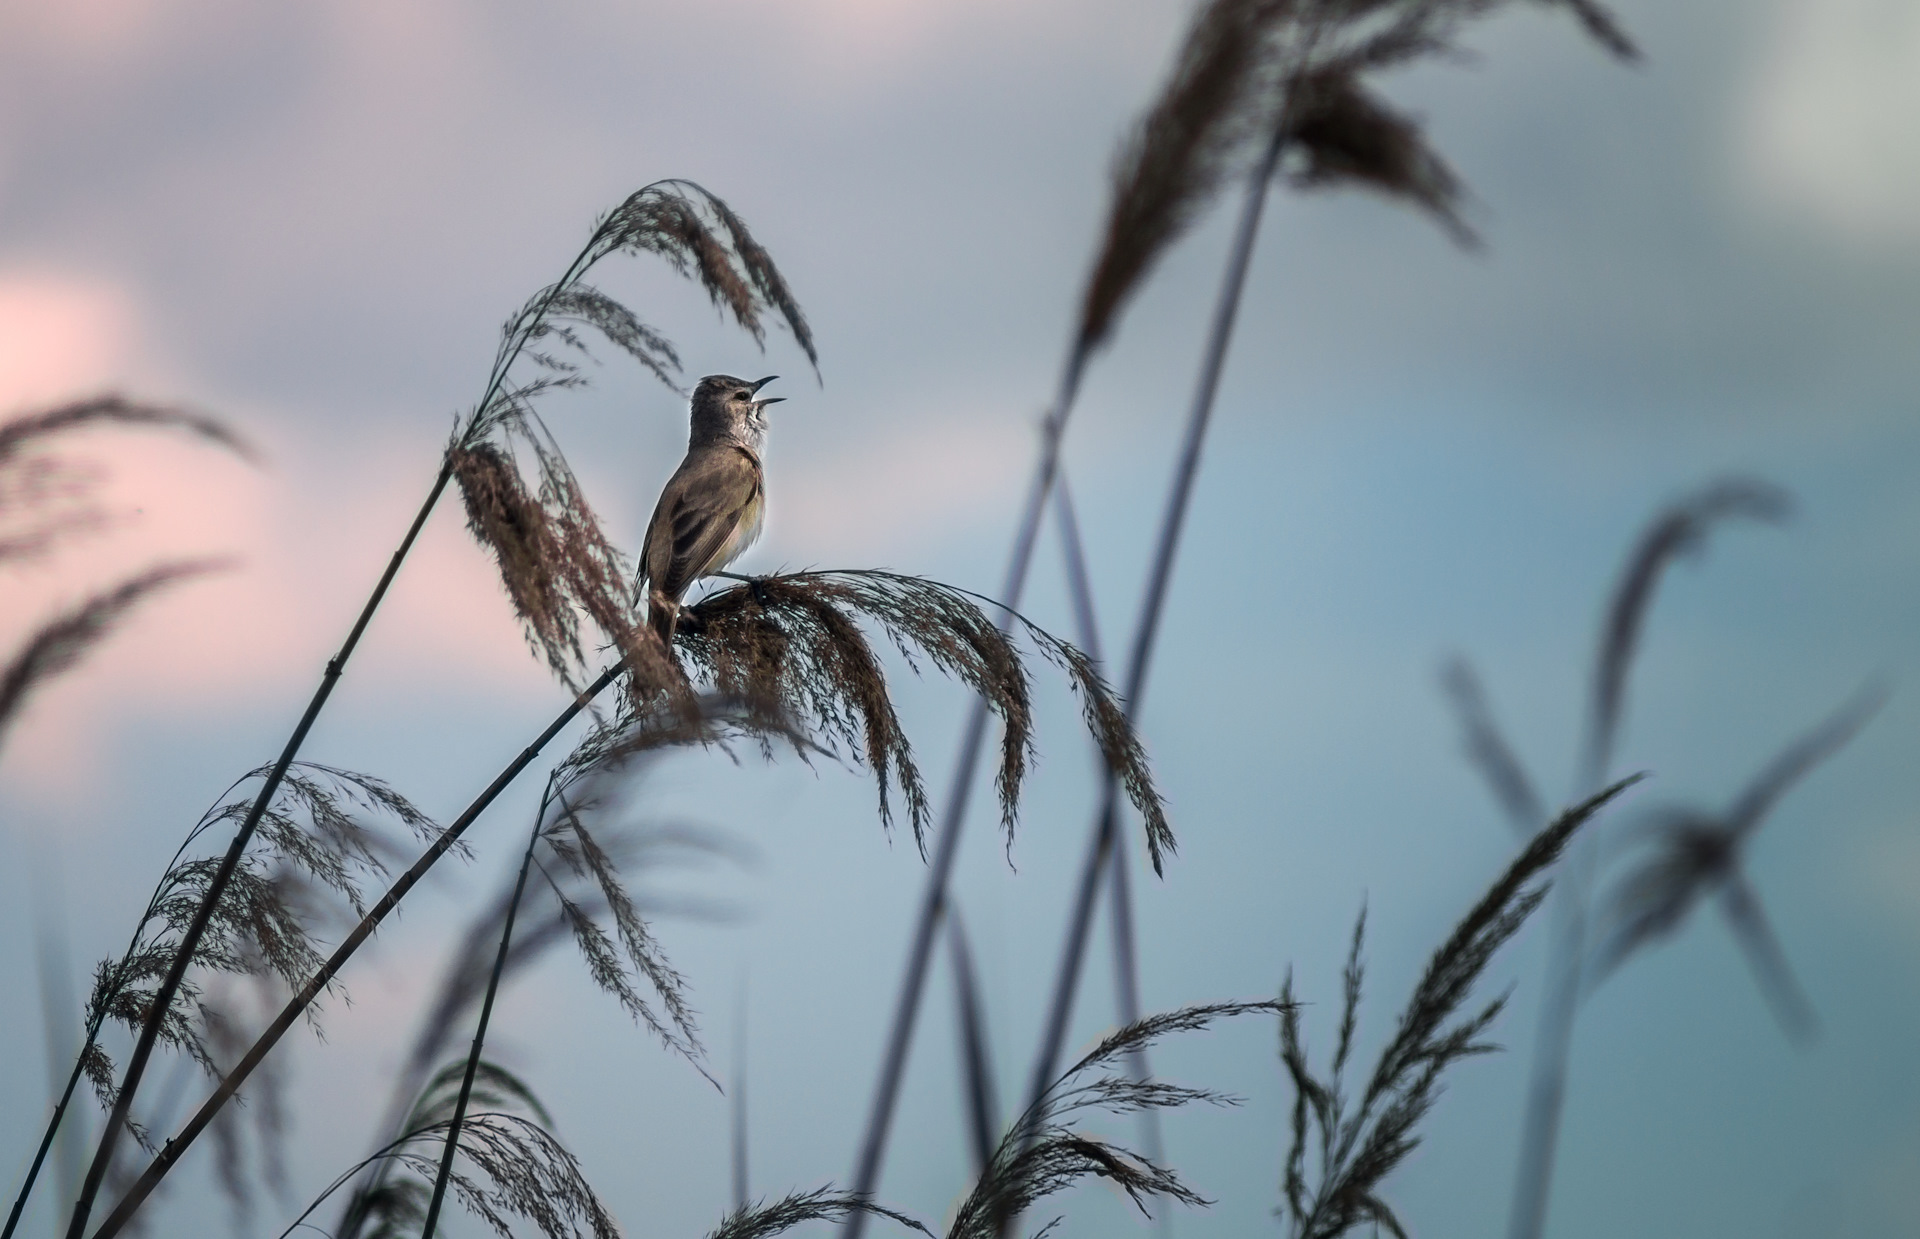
744,534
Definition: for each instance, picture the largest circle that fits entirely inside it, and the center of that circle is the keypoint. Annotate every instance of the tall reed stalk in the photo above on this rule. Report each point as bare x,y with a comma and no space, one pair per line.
486,1017
1152,606
1126,964
1287,74
1677,530
933,900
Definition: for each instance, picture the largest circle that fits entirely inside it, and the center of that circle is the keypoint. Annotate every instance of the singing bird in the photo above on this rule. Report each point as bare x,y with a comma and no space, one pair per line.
713,506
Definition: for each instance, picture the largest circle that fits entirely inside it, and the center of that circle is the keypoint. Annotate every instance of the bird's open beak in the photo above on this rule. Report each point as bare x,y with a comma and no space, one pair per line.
761,404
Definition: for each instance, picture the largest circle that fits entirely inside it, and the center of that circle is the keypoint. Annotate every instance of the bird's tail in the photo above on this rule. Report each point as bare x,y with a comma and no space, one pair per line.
663,616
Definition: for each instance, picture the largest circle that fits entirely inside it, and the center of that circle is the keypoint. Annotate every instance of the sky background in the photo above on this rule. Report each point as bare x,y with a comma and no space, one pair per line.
311,219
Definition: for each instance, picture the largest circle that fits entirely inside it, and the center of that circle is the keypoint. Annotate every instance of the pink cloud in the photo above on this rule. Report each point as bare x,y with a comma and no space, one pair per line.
60,334
306,552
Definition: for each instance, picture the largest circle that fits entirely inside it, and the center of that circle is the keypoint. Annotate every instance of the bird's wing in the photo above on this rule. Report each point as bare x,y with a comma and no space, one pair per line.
698,512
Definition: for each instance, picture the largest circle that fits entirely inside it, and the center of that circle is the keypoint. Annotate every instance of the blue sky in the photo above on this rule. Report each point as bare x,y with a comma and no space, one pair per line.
311,219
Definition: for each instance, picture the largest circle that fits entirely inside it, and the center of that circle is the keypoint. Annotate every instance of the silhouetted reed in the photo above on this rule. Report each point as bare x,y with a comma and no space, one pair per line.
54,494
1042,1153
44,500
511,1165
62,641
1354,1150
312,844
1676,531
821,1204
1691,854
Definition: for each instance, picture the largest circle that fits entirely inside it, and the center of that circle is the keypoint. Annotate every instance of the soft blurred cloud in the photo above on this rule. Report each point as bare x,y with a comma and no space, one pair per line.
1829,125
303,546
61,333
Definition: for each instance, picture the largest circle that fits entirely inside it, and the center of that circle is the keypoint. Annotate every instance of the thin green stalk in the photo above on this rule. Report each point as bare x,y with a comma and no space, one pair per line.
170,1154
486,1015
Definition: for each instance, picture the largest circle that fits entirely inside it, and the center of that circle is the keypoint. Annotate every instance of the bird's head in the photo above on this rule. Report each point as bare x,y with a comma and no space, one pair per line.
730,410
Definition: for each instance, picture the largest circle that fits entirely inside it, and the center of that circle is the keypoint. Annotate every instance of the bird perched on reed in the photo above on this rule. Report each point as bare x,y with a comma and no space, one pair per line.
715,502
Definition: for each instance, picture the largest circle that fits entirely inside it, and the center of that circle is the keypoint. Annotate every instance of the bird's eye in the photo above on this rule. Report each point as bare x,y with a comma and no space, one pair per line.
743,394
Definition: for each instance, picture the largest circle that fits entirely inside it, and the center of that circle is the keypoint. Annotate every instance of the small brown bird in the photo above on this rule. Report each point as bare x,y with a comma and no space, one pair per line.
713,505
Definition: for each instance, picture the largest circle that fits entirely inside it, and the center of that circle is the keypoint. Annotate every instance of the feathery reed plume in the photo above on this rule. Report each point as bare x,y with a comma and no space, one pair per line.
568,839
1677,530
791,642
1286,74
1041,1154
64,640
669,219
392,1205
822,1204
1358,1149
311,840
1694,854
263,926
21,433
513,1168
657,729
1181,152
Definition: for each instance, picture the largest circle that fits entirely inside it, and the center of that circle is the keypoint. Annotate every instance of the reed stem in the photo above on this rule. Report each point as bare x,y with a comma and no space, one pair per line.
203,915
169,1155
486,1016
933,900
1100,845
